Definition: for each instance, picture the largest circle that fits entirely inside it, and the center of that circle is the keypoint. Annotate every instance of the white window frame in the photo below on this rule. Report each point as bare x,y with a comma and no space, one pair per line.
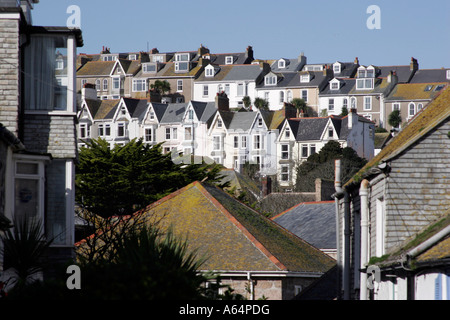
145,67
122,126
205,91
139,85
281,64
236,142
179,85
330,104
367,103
380,227
217,143
270,80
396,106
105,84
304,78
285,151
305,95
284,173
304,151
229,60
209,71
243,142
151,134
413,105
258,142
85,130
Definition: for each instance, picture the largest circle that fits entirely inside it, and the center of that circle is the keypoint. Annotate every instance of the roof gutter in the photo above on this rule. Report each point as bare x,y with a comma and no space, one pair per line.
427,244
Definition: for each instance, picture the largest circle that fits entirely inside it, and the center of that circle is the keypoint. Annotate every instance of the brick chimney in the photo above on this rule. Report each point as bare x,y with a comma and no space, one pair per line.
392,77
356,61
222,101
154,51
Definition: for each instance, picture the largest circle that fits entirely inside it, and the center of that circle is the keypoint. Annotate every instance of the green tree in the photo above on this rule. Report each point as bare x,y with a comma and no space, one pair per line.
300,105
161,86
247,101
121,180
395,119
261,103
321,165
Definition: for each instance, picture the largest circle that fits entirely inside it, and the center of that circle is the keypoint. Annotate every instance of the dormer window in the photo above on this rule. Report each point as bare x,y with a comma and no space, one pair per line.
181,66
182,57
304,78
209,71
337,67
110,58
365,78
229,60
334,85
281,64
149,67
270,80
132,57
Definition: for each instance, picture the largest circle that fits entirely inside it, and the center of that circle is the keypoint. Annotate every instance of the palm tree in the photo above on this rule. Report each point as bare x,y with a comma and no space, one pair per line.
261,104
25,248
161,86
300,105
395,118
247,101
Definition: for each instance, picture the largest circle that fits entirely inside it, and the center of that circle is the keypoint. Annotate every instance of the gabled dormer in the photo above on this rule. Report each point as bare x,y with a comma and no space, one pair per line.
365,78
282,63
329,131
117,69
122,113
270,79
190,116
211,71
337,67
335,84
306,77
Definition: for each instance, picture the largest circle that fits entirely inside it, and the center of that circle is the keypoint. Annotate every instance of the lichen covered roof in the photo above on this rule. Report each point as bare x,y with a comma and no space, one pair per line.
233,236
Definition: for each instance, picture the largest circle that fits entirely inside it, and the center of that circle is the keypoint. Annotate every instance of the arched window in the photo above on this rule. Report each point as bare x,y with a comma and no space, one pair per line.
411,109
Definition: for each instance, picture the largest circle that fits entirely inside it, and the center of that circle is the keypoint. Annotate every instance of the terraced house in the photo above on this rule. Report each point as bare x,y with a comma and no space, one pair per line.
38,146
301,137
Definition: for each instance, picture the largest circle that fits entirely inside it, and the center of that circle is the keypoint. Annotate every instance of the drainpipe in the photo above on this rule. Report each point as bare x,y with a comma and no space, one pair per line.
341,193
249,278
363,194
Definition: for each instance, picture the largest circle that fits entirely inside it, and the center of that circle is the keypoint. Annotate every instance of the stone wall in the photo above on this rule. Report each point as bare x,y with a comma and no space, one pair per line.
51,134
9,73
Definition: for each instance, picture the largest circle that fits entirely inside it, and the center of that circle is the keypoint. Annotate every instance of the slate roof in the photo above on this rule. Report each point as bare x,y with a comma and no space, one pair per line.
314,222
174,112
242,120
430,75
136,107
292,65
233,236
204,110
346,86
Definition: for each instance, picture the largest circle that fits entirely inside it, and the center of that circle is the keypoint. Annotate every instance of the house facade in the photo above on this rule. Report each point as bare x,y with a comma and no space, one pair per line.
390,201
38,143
301,137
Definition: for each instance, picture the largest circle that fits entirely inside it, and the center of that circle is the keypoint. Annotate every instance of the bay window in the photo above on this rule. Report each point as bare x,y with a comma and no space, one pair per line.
45,82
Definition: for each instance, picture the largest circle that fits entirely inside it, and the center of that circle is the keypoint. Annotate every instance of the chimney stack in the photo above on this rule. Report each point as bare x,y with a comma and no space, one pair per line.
222,101
356,61
249,55
414,65
153,96
352,118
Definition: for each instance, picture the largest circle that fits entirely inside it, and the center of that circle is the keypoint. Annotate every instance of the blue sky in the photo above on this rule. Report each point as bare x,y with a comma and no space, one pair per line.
325,30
